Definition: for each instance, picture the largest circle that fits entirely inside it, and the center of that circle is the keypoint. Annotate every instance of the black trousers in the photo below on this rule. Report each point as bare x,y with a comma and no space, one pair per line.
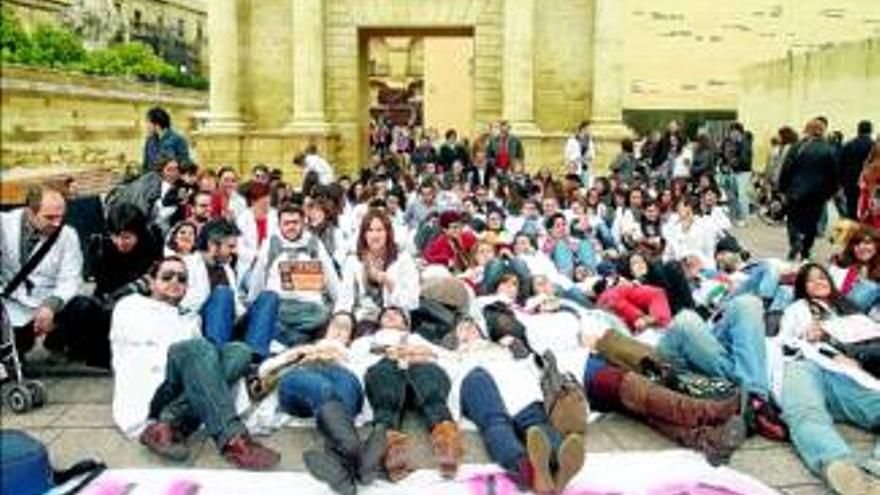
389,389
803,224
82,332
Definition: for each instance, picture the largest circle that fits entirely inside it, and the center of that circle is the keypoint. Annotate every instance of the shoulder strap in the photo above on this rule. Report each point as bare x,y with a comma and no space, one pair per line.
31,263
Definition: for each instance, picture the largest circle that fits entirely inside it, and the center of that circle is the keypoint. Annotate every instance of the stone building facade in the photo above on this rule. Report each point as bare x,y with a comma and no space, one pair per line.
272,91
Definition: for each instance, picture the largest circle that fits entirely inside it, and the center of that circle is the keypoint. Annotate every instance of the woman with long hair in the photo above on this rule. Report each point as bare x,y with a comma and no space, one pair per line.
856,272
377,274
817,384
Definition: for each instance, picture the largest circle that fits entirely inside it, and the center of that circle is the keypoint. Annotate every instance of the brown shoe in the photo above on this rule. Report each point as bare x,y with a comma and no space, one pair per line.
570,459
446,440
163,441
397,455
247,453
845,477
647,399
539,451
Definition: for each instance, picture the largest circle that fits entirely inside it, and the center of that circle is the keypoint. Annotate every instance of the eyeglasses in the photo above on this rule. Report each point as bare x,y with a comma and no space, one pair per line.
168,276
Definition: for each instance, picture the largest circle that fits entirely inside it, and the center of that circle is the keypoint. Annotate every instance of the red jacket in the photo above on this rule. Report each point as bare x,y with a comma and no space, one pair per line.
440,251
632,302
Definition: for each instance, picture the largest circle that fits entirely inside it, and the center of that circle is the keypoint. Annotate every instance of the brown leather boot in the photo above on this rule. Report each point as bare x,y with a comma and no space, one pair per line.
165,442
397,455
448,450
647,399
247,453
717,442
624,351
540,451
570,458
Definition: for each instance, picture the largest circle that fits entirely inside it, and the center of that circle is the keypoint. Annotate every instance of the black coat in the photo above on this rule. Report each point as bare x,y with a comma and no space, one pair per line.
852,160
475,180
810,172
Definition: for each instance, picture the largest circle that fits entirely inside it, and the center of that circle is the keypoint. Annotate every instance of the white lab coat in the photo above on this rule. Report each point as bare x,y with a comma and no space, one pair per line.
141,332
59,273
248,241
403,271
199,287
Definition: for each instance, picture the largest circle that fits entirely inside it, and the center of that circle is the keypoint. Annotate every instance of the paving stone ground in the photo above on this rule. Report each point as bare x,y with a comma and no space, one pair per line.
77,423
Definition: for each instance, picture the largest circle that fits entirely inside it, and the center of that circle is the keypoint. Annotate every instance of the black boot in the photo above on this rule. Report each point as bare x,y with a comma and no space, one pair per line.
369,465
338,429
331,468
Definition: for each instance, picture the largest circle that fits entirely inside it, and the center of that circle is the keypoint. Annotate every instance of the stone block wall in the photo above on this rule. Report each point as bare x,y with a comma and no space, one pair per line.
841,83
63,119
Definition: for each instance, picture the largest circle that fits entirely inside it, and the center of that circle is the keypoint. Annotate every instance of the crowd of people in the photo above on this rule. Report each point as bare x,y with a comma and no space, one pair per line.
445,281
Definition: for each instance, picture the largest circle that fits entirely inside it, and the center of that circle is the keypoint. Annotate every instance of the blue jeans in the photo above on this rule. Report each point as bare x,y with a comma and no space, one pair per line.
303,390
763,281
565,258
299,322
743,183
813,399
734,348
482,403
218,319
196,390
865,294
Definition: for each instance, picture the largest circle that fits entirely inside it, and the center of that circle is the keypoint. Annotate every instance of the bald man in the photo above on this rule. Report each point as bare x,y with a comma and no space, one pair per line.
33,301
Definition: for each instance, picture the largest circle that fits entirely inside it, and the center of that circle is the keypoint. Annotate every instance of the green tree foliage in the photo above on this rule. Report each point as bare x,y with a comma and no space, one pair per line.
51,46
13,39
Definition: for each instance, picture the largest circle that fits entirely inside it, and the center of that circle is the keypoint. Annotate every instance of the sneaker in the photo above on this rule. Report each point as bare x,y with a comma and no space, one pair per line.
246,453
844,477
163,441
766,421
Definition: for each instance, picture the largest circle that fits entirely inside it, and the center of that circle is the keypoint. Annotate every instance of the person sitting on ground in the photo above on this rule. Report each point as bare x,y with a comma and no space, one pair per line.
377,274
168,380
40,265
182,239
294,265
121,265
454,246
856,272
818,384
567,251
256,224
213,292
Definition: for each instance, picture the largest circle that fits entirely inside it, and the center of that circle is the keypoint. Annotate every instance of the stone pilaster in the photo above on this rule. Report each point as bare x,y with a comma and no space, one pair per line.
608,82
225,98
518,65
308,66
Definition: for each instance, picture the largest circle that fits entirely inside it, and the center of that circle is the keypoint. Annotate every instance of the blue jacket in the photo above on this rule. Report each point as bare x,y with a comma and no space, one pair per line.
169,142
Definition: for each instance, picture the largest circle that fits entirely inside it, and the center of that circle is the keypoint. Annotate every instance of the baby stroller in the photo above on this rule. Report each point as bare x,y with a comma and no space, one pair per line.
19,394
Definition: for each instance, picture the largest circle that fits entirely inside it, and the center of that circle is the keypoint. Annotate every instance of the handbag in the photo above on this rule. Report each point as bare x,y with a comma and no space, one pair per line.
700,386
564,399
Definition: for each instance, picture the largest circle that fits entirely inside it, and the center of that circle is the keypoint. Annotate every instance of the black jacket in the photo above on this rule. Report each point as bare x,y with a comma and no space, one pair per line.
810,172
852,160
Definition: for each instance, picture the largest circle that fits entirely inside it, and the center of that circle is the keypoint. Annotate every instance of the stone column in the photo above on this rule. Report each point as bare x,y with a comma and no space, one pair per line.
225,99
518,70
608,81
607,125
308,65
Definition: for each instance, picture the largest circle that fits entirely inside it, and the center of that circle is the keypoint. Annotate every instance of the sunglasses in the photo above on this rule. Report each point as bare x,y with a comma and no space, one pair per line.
168,276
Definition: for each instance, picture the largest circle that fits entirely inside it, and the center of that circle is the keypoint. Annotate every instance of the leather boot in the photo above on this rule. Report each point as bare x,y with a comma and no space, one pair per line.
540,451
247,453
625,352
646,399
331,468
448,450
369,464
717,442
338,429
397,455
570,458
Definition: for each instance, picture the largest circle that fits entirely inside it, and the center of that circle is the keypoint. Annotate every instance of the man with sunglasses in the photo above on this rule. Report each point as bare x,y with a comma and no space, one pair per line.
168,380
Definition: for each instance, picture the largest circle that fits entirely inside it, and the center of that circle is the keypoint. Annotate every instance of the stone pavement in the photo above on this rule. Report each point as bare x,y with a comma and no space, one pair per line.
77,423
